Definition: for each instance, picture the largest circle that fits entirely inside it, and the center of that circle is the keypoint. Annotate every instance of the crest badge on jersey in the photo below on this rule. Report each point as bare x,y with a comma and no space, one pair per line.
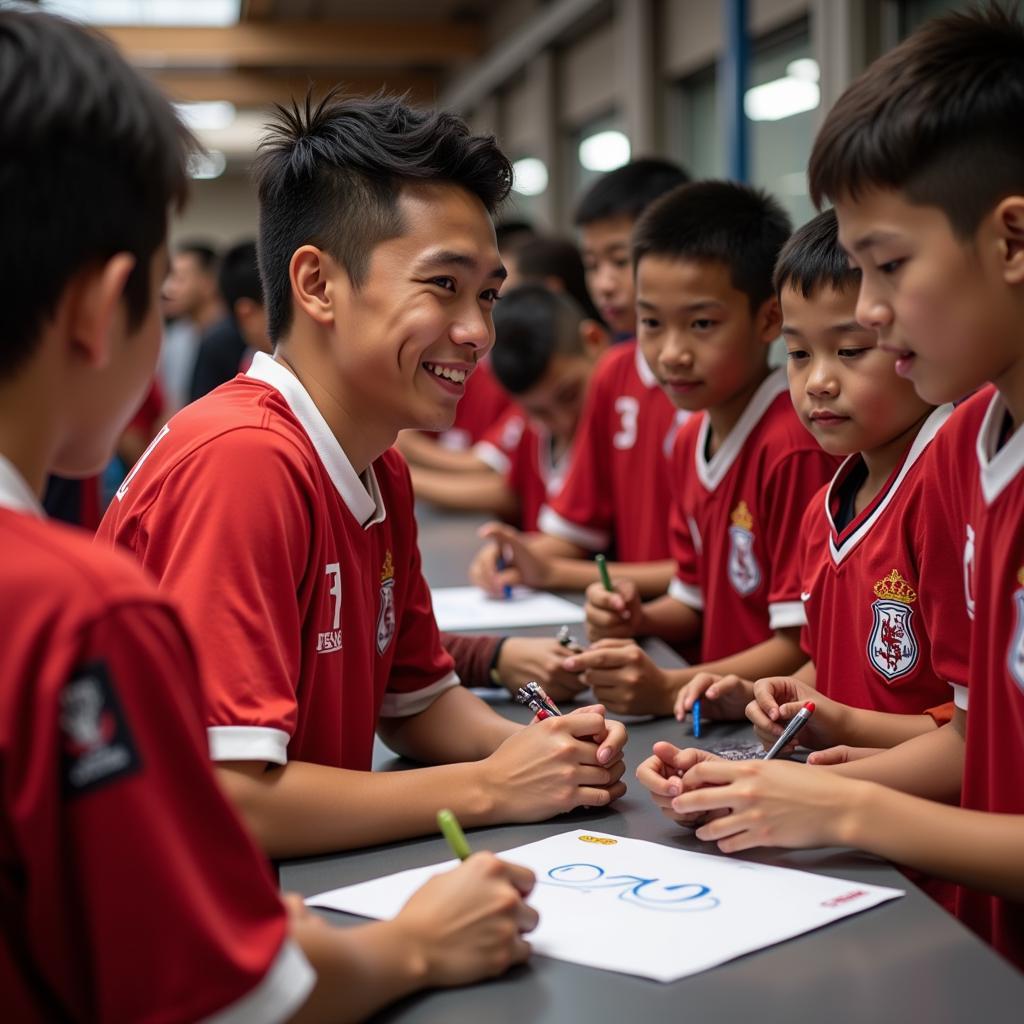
1015,656
386,615
744,572
96,744
892,645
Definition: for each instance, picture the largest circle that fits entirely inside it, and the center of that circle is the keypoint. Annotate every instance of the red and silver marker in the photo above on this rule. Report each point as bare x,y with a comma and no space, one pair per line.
800,719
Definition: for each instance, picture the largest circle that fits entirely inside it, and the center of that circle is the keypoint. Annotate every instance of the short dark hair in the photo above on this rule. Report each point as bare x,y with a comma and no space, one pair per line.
532,324
93,156
204,252
239,275
813,259
330,175
628,190
556,257
719,221
938,118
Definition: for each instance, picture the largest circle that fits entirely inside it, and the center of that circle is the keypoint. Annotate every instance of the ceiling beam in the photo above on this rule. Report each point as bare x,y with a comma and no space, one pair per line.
260,89
299,44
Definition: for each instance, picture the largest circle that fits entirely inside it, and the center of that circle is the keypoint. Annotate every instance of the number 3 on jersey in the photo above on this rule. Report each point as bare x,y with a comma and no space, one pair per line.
628,409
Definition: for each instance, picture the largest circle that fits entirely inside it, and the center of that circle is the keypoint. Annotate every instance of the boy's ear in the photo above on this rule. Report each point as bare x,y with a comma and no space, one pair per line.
1009,225
594,337
94,306
316,284
768,320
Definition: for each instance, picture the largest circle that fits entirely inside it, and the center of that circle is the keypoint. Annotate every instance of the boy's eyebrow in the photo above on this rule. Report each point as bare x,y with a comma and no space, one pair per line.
847,327
870,239
450,257
692,307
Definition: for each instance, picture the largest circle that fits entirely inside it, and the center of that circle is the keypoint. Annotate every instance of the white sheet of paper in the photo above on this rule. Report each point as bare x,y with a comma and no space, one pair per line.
642,908
458,608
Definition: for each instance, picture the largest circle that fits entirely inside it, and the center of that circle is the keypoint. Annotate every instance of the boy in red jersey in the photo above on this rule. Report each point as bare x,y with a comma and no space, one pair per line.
616,488
99,689
942,262
316,630
743,470
887,631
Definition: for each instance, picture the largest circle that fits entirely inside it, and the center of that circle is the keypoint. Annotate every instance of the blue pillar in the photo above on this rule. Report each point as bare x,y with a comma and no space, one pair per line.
732,84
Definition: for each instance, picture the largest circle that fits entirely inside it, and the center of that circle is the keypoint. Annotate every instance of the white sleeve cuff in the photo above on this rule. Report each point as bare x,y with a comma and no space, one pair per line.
959,696
493,456
686,594
550,522
786,614
247,743
276,997
402,705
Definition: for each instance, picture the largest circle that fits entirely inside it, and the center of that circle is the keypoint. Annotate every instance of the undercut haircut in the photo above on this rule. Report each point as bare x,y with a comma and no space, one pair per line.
532,325
813,259
330,174
719,222
628,190
939,118
91,158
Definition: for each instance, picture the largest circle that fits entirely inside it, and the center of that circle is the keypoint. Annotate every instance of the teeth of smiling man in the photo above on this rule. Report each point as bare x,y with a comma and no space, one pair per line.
456,376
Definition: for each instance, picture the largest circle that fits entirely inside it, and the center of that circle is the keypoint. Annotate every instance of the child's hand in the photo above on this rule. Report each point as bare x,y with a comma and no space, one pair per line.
778,698
624,678
770,803
467,924
722,698
661,775
842,754
525,658
522,565
557,765
613,613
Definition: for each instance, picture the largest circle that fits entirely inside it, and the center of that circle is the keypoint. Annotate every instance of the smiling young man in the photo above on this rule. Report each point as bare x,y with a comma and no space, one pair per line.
274,511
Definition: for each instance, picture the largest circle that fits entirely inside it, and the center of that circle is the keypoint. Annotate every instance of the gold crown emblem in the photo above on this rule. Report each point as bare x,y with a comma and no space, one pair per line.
387,571
741,517
1020,575
895,588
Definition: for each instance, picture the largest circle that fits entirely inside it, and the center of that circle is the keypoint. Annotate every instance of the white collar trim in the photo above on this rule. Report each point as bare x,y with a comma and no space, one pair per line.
15,492
928,430
643,368
711,472
998,468
360,494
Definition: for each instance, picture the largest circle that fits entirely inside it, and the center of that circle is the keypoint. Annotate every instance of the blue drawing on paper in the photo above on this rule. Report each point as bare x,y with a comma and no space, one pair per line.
650,893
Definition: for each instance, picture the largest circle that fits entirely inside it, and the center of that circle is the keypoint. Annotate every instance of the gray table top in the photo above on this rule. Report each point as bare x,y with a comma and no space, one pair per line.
905,960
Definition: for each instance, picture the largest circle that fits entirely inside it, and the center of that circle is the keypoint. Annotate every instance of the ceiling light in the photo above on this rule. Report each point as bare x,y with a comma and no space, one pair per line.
147,12
213,115
604,151
530,176
781,98
207,165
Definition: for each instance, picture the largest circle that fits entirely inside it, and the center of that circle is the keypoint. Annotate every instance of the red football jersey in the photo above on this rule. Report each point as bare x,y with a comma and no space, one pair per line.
736,520
130,891
301,579
482,404
522,452
994,759
877,592
616,490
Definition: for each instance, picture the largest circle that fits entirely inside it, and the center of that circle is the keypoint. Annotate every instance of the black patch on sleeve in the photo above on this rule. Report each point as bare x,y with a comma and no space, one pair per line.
96,744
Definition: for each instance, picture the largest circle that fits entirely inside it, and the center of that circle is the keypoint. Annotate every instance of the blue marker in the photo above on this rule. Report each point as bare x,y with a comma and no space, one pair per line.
696,719
506,590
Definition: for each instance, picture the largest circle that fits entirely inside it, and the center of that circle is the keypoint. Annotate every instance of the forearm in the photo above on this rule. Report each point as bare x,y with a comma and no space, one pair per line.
807,673
420,450
577,572
359,970
780,655
860,727
457,727
972,847
929,766
302,809
483,491
669,619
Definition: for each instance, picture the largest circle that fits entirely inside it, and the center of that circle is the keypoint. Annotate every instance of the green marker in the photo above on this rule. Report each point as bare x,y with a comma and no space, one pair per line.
452,831
602,568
